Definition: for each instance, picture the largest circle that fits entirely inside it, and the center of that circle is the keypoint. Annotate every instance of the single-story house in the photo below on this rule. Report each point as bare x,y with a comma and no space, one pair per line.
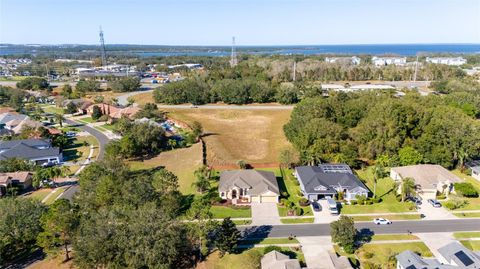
38,151
249,186
475,168
327,180
113,111
277,260
429,178
452,256
80,104
19,179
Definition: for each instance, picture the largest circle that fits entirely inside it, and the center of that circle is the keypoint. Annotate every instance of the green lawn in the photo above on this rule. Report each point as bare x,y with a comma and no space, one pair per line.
473,203
109,127
269,241
382,252
297,220
468,215
220,212
39,194
385,237
390,217
52,109
467,235
471,244
288,183
86,119
385,190
54,196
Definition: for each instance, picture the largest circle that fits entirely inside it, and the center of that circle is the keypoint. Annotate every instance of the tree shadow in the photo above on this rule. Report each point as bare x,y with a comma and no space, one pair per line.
208,134
253,234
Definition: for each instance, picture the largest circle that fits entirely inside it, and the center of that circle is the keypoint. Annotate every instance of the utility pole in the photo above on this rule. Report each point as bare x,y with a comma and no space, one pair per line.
416,70
294,70
233,57
102,48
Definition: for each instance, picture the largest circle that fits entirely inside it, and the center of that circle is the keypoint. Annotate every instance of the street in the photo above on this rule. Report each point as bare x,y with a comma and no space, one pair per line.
420,226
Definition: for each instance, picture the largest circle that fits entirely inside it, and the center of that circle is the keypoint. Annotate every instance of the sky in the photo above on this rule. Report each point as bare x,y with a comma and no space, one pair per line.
252,22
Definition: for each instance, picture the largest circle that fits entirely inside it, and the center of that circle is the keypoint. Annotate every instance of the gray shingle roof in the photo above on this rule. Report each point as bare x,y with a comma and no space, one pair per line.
256,181
460,255
316,180
27,149
277,260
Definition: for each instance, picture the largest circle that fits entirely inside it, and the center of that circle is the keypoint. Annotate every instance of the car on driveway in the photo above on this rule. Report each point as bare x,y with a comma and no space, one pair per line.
434,203
415,200
316,206
381,221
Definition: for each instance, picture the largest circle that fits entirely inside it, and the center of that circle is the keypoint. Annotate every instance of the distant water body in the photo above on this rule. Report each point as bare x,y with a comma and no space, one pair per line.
405,50
149,51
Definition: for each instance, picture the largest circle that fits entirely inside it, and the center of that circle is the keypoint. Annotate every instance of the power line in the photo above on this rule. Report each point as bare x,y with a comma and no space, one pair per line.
102,48
233,59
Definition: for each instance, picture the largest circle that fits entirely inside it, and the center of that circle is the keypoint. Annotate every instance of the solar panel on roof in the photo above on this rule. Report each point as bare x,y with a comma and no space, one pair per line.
464,258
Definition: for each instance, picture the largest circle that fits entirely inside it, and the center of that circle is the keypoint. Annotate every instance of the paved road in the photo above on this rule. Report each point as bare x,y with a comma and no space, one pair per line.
230,107
420,226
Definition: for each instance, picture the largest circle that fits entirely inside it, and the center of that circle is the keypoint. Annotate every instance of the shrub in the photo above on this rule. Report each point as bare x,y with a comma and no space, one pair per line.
296,183
299,193
289,204
103,118
465,189
368,255
441,197
353,202
361,199
376,200
369,202
285,194
303,201
271,248
455,203
298,211
349,248
283,201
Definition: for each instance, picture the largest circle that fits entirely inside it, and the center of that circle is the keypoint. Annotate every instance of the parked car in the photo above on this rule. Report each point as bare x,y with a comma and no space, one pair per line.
48,164
381,221
70,134
416,200
434,203
316,206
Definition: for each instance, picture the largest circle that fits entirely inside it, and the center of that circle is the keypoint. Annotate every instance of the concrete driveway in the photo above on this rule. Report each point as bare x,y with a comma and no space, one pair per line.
316,249
324,215
434,213
265,214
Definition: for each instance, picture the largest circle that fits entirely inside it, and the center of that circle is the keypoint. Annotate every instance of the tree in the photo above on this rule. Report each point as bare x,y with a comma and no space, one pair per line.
96,112
407,187
19,225
71,108
197,129
67,91
125,84
84,86
343,232
14,165
409,156
59,119
286,157
59,224
378,173
150,111
202,182
131,100
33,83
227,236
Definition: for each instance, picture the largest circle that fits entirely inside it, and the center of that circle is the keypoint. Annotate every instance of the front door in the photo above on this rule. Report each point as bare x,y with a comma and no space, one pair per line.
234,194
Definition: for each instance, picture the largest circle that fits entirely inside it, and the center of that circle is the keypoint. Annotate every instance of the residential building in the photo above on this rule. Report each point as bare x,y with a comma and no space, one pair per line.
15,122
249,186
457,61
327,180
114,112
429,178
277,260
382,61
38,151
475,168
453,256
22,180
343,60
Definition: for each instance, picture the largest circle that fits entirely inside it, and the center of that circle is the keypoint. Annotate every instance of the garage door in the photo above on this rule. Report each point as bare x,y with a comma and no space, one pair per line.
269,199
255,199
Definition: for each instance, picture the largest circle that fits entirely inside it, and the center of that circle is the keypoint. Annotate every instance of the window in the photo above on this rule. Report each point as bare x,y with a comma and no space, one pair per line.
222,194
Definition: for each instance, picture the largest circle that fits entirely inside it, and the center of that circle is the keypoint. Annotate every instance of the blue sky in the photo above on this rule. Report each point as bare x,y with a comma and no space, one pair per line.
253,22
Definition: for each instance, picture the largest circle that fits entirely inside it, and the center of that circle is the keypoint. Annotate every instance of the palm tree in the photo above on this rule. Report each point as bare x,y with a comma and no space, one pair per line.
378,173
172,143
408,186
59,119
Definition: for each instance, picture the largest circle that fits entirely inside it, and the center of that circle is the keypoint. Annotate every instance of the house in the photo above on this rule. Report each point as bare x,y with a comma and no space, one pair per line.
327,180
17,179
452,256
475,168
457,61
80,104
277,260
343,60
38,151
114,112
249,186
429,178
10,116
382,61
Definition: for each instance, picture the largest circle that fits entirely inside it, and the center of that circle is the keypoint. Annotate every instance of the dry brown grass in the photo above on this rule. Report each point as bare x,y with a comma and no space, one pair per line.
49,263
233,135
143,98
182,162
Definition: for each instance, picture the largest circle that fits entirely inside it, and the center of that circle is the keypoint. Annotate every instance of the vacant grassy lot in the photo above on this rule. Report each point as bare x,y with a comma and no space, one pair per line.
467,235
233,135
143,98
182,162
471,244
385,190
220,212
248,259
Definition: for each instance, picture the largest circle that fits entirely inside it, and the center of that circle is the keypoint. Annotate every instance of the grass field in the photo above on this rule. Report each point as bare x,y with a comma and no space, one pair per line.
220,212
390,217
143,98
182,162
384,190
467,235
471,244
248,259
297,220
53,262
233,135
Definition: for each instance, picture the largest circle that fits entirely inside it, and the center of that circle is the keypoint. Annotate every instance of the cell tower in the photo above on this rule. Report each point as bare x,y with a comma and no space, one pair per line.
233,59
102,48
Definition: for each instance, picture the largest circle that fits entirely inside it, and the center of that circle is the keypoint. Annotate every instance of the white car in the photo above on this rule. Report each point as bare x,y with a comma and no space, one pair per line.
381,221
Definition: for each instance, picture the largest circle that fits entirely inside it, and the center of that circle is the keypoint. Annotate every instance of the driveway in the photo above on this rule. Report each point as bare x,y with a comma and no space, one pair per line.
434,213
316,251
434,241
324,215
265,214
